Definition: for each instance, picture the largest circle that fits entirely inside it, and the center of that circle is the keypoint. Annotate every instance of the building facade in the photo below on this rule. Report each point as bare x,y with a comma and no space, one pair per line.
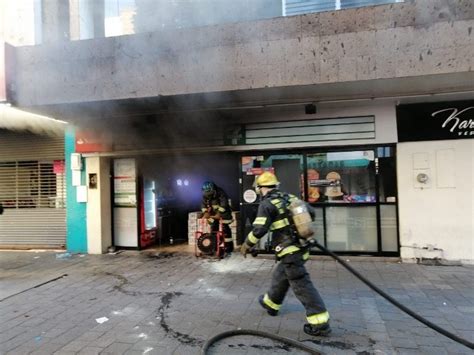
310,96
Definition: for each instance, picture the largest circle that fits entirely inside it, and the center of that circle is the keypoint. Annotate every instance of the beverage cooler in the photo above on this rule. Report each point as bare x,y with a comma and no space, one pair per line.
134,202
148,216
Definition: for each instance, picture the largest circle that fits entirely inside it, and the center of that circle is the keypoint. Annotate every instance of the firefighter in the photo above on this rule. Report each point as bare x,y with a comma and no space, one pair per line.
216,208
274,215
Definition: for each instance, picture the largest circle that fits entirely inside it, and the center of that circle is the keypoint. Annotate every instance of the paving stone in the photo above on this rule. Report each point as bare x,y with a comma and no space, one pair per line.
172,306
116,348
90,350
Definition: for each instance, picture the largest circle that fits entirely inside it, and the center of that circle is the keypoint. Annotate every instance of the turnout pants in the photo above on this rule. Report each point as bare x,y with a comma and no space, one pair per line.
229,245
291,272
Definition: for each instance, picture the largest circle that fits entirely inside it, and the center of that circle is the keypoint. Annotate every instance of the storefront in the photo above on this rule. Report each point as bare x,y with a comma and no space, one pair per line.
353,190
352,146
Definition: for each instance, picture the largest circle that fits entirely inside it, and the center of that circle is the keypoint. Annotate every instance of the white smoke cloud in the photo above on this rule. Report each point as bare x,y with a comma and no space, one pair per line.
14,119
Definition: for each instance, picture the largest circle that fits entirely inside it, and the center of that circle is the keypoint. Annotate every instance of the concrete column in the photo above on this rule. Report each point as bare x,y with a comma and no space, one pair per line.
99,212
55,21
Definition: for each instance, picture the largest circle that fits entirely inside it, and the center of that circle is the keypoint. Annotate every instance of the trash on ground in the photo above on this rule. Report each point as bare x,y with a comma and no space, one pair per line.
64,256
102,320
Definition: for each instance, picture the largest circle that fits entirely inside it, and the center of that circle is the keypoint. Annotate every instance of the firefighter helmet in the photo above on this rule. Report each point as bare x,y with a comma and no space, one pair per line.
267,179
208,186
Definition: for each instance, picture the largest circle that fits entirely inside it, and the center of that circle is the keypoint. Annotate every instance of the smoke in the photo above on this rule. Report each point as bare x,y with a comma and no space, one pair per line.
17,120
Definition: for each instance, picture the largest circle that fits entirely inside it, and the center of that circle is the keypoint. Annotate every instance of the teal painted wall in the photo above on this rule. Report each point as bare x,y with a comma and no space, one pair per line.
76,213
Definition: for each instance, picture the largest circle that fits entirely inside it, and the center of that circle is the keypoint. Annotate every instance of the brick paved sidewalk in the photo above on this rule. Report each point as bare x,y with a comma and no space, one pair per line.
171,304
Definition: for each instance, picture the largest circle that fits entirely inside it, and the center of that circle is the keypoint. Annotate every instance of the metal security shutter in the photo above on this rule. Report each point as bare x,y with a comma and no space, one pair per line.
32,191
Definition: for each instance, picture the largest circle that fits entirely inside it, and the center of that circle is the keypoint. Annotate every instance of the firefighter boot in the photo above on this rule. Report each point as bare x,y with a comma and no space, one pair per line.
270,311
317,329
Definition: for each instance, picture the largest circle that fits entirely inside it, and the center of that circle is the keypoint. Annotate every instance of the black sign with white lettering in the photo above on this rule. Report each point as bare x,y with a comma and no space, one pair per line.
435,121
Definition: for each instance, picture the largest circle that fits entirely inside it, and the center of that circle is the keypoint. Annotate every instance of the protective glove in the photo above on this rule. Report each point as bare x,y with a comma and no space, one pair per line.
245,249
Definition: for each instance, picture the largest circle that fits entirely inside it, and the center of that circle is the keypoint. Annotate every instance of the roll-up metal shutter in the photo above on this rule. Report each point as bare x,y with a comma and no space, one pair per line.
32,191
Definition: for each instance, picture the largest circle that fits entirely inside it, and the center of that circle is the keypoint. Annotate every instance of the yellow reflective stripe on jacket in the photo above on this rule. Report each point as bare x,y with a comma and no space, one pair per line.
280,224
288,250
276,202
270,303
221,209
319,318
260,221
227,221
228,240
306,255
252,239
215,207
204,209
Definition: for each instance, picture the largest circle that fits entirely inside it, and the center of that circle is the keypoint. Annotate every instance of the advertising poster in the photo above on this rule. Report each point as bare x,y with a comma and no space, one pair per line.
125,194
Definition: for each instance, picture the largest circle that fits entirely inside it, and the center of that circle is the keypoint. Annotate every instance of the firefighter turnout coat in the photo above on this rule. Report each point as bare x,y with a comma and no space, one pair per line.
273,215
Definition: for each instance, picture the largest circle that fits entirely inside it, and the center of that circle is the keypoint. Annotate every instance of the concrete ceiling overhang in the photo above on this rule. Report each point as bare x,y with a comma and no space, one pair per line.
408,89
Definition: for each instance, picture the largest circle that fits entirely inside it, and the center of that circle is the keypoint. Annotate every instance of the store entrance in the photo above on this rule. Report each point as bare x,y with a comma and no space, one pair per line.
176,182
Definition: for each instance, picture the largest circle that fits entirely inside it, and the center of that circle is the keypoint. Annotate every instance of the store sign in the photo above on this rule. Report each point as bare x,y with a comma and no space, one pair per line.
260,171
92,142
435,121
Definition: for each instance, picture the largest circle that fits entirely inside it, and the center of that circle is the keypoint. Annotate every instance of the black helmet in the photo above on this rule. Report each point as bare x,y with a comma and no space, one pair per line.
208,187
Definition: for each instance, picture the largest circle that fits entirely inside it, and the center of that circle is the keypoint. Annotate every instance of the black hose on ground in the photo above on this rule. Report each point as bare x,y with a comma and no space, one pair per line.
395,302
300,345
231,333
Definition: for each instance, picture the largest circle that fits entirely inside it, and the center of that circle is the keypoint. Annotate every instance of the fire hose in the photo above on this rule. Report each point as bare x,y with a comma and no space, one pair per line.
302,346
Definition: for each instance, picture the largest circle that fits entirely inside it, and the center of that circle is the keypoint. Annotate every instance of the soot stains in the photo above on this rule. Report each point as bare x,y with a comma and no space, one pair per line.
181,337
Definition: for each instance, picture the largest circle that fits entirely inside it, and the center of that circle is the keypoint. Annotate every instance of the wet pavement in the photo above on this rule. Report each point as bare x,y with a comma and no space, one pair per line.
171,303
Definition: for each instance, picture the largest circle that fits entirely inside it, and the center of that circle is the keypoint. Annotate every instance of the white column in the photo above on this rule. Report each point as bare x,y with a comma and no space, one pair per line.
99,222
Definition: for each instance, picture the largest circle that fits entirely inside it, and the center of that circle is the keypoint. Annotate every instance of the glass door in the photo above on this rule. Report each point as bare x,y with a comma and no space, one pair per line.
289,170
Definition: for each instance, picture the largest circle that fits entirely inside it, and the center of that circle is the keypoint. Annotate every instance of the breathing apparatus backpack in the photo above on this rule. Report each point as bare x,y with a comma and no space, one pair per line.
301,218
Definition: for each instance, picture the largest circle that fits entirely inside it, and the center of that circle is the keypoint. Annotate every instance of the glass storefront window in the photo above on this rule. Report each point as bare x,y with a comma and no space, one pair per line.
354,193
318,227
287,167
352,229
341,177
388,223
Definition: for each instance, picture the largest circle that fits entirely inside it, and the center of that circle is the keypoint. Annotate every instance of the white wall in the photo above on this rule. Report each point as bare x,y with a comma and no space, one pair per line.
99,224
440,212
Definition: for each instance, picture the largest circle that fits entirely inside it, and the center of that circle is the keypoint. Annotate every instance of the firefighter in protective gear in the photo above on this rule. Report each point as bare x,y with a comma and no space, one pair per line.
215,208
274,215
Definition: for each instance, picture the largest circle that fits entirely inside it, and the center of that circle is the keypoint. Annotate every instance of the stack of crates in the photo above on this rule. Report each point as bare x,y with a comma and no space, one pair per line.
234,227
195,225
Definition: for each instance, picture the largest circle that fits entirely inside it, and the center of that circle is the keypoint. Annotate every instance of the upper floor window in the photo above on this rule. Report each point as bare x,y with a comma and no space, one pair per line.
299,7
